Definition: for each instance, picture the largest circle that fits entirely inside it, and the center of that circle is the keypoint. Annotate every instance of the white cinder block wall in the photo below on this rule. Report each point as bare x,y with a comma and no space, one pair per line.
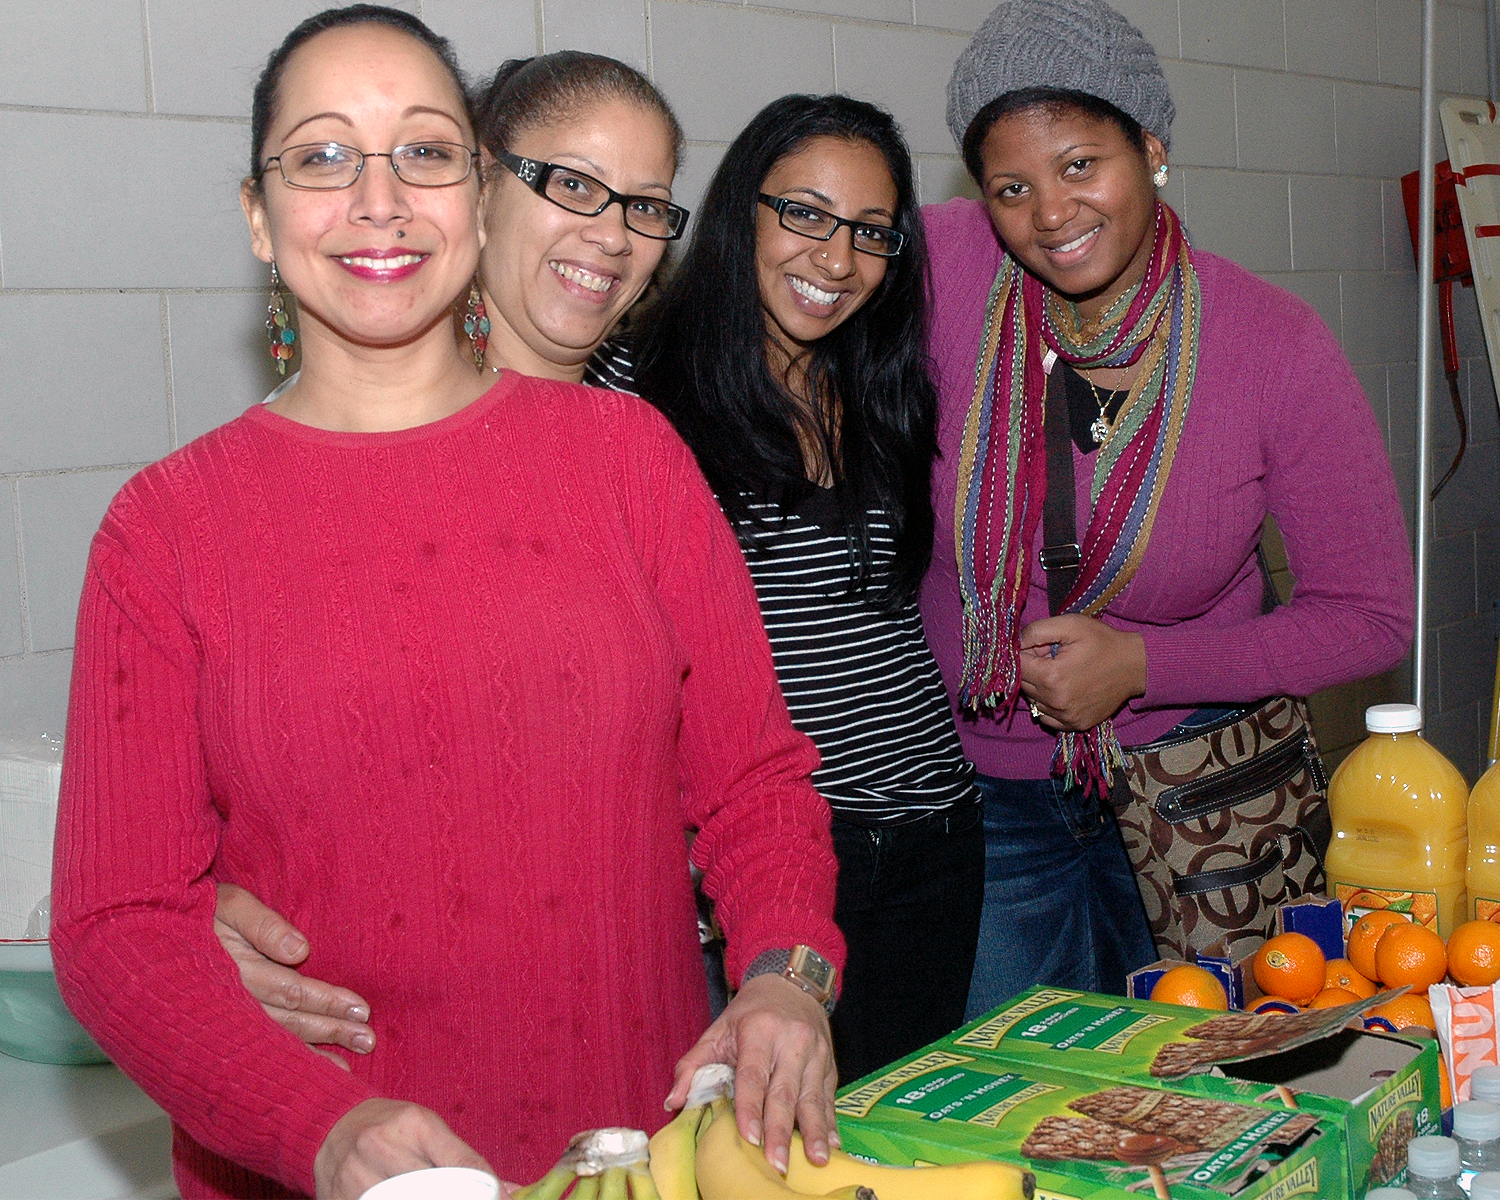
131,308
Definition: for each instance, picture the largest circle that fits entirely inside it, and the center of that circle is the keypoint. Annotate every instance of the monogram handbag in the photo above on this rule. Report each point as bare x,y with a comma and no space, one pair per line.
1225,821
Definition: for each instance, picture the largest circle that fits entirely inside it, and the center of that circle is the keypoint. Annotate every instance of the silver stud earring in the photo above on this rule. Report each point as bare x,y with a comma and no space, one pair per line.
1160,178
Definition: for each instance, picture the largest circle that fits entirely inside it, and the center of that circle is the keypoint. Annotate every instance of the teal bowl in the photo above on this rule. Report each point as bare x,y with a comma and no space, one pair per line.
35,1024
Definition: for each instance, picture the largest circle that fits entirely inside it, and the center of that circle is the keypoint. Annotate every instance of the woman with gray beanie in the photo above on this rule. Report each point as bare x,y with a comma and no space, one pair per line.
1190,400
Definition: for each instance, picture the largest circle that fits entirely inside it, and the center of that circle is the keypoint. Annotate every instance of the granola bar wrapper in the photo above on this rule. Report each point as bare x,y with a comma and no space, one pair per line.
1466,1029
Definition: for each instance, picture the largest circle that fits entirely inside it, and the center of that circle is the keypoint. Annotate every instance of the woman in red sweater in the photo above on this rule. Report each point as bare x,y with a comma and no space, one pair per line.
442,673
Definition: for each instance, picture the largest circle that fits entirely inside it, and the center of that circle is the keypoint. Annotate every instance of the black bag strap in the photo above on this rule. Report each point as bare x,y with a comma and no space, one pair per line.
1061,554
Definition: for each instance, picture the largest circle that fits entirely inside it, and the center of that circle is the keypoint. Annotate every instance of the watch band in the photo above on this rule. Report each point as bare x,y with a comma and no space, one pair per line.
786,963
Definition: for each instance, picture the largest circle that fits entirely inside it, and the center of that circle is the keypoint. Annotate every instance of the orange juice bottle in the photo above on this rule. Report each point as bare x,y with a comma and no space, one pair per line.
1484,847
1400,825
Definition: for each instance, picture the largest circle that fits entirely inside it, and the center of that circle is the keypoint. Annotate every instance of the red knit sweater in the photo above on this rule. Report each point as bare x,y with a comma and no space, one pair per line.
448,698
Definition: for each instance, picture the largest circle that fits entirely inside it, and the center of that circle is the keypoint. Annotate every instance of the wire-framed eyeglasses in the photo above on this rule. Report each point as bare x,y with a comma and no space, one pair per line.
327,166
649,216
814,223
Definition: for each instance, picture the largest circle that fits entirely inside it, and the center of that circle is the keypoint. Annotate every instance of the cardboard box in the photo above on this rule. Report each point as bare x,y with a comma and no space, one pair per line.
1088,1139
1378,1090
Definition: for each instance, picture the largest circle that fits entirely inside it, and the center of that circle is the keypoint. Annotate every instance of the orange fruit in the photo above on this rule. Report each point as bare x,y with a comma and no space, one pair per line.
1367,931
1195,987
1406,1011
1290,965
1445,1089
1474,953
1410,954
1340,973
1332,997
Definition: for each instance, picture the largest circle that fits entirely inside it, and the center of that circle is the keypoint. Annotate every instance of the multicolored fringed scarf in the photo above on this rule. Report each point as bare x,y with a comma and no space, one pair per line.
1002,465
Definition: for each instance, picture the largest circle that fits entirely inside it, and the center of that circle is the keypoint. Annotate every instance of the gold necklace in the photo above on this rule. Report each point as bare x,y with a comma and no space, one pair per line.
1101,428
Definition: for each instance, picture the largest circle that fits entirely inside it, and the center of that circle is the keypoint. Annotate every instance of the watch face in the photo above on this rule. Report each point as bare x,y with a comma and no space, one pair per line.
814,968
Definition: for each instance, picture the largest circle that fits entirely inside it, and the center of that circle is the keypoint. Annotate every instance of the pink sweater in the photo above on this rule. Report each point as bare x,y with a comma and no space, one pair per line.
448,698
1278,424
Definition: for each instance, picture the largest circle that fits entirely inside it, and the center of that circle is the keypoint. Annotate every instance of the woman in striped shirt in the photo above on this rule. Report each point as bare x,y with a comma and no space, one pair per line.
788,351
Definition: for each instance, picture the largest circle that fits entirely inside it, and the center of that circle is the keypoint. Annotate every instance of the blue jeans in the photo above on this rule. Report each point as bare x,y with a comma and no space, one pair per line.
1060,901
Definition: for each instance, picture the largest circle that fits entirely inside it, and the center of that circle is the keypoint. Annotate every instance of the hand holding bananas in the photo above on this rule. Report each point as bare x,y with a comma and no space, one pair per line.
776,1037
700,1155
379,1138
599,1164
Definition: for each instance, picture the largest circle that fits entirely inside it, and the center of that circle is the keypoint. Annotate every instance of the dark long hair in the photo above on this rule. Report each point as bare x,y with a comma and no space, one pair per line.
703,356
268,86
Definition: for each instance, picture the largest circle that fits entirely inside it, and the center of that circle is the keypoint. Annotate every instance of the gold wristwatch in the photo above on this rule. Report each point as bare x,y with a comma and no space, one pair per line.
804,966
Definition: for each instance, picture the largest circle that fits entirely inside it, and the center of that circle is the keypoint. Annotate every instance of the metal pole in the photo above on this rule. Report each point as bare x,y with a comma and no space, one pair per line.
1492,45
1425,235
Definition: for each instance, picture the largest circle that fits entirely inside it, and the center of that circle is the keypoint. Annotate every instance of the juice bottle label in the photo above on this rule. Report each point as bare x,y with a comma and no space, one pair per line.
1421,907
1486,910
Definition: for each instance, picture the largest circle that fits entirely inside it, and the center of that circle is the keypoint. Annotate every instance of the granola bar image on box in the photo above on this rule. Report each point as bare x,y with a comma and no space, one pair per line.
1061,1139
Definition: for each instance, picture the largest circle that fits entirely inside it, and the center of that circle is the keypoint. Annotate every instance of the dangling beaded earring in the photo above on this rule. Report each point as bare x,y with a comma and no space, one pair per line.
279,325
477,325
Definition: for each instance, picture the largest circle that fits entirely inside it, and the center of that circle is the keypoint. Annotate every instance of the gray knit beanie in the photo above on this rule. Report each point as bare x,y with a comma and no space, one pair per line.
1077,45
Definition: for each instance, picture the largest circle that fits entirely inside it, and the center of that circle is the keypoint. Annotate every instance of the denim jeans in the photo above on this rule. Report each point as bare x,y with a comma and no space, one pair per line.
908,903
1060,901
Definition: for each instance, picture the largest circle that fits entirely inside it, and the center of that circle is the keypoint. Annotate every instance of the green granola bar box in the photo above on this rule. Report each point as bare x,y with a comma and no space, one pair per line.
1378,1090
1087,1139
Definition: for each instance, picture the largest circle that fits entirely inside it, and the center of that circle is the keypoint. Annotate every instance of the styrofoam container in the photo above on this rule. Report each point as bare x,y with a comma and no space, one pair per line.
35,1024
30,771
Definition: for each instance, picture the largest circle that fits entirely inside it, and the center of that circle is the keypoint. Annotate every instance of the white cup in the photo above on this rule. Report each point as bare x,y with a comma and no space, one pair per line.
437,1183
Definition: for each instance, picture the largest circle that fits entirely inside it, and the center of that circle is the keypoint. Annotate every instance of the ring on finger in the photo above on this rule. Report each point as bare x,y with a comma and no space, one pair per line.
1036,710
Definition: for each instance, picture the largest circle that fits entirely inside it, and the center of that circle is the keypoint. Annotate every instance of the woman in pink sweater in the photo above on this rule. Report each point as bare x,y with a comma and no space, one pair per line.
442,670
1200,399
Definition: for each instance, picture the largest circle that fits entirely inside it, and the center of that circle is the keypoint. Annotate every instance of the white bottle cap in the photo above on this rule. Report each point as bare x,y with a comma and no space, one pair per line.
1476,1121
1485,1186
1484,1084
1392,1194
1393,718
1433,1157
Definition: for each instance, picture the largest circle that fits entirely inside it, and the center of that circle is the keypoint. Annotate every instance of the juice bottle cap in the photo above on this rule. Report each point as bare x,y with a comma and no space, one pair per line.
1394,1194
1393,718
1484,1084
1433,1157
1485,1186
1476,1121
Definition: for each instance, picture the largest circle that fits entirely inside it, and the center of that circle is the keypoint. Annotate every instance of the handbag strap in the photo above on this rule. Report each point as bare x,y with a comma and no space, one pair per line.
1061,555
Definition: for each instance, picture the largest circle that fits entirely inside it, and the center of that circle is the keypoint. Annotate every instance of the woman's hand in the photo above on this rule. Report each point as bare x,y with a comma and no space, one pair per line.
380,1138
266,948
1076,671
776,1038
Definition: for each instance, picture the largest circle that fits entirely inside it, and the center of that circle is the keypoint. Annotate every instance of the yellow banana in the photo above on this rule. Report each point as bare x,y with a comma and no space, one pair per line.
642,1187
978,1180
587,1188
730,1168
550,1186
672,1150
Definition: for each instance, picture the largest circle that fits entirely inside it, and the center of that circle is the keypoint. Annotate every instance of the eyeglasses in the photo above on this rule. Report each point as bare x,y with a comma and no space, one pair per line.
649,216
814,223
327,166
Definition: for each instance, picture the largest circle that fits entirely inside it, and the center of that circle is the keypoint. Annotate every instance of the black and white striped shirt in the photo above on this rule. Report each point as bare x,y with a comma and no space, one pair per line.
859,682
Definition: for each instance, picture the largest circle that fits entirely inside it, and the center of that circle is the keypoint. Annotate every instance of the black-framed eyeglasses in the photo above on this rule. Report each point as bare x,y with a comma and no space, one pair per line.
649,216
814,223
327,166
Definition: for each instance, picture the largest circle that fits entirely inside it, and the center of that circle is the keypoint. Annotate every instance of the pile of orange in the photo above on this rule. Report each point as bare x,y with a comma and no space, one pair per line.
1384,950
1195,987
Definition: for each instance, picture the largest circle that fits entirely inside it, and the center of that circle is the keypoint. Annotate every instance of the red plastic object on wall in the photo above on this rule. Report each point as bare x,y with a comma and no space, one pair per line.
1450,265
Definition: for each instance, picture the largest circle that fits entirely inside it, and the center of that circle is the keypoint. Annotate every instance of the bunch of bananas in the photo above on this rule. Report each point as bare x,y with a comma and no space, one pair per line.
700,1155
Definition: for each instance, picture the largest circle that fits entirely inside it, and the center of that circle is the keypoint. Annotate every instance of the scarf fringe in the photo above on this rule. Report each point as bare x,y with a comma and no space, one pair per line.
1089,759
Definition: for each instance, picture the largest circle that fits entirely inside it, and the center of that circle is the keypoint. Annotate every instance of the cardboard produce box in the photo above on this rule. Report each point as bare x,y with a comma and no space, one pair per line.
1379,1091
1088,1139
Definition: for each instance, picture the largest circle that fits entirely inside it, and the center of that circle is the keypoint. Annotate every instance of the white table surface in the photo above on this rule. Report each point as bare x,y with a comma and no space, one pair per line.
80,1133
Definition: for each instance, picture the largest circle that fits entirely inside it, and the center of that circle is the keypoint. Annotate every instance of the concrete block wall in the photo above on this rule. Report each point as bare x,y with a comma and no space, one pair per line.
130,306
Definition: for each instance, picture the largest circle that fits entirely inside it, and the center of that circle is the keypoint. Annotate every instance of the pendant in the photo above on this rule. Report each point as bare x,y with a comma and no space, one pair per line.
1099,430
